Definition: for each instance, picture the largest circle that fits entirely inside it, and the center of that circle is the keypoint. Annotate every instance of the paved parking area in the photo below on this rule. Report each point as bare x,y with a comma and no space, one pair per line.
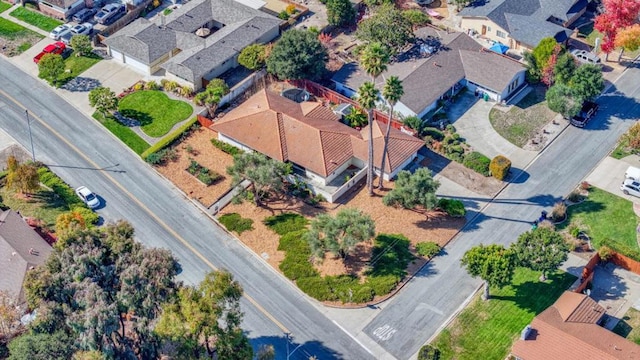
609,174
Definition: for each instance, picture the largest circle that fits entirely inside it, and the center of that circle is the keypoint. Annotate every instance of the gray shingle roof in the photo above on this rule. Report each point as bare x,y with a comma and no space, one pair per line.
16,240
148,41
526,20
426,79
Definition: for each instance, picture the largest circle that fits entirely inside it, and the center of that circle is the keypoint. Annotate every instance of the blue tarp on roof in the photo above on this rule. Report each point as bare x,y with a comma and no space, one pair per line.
499,48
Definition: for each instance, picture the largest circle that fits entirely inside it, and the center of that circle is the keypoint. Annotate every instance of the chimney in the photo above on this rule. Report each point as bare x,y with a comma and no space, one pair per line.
525,332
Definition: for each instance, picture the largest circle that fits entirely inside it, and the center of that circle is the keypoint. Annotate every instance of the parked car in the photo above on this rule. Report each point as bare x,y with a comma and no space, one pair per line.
586,57
81,29
632,173
59,31
587,111
84,15
110,13
630,187
88,197
57,47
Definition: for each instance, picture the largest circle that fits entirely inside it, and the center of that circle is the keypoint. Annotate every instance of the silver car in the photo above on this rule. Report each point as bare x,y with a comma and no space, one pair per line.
60,30
88,197
586,57
630,187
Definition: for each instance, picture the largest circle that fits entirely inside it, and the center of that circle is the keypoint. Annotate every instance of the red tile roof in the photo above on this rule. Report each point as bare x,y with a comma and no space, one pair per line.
308,134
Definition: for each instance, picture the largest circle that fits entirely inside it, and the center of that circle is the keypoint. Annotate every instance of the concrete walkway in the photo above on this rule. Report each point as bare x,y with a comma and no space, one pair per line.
5,14
470,116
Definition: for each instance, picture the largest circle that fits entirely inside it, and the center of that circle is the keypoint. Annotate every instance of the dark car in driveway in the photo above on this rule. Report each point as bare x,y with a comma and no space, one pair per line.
84,15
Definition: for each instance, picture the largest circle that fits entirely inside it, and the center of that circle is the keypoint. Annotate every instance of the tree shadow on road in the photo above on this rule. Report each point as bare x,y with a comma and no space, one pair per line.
296,350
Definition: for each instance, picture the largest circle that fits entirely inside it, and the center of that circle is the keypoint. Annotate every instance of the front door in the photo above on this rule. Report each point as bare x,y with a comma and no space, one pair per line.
484,30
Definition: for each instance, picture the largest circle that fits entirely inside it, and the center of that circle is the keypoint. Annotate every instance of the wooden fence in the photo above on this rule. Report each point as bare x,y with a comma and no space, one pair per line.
587,273
626,263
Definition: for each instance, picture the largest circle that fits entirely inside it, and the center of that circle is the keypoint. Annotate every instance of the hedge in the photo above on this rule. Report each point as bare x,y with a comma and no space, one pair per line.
477,162
227,148
169,138
428,249
235,222
452,207
428,352
500,167
286,222
433,133
59,187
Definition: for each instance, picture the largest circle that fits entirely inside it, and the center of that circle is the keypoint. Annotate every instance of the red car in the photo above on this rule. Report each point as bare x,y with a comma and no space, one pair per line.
57,47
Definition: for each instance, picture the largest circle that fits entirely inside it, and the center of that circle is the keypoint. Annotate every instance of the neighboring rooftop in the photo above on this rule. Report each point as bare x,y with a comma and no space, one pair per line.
568,330
21,249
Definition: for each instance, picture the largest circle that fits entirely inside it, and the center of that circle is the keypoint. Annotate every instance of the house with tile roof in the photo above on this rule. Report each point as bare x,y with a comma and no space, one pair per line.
437,67
329,155
21,249
195,43
571,329
521,24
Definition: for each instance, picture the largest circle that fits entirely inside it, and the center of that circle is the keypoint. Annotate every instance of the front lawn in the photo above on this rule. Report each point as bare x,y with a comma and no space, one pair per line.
523,120
36,19
629,326
4,6
487,329
156,112
77,65
607,219
16,38
122,132
622,150
10,30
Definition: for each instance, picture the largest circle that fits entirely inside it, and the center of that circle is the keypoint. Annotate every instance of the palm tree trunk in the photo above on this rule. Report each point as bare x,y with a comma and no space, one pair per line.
485,294
370,162
384,149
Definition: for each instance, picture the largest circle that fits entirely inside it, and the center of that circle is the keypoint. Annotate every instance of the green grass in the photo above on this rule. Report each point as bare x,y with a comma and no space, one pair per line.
622,150
629,326
156,112
124,133
608,219
4,6
286,222
36,19
487,329
77,65
524,120
11,31
43,205
235,222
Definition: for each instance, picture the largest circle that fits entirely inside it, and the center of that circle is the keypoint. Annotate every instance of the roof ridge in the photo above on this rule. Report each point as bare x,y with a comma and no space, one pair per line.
283,141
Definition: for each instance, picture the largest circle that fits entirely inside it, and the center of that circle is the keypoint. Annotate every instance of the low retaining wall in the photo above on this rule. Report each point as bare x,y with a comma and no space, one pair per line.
626,263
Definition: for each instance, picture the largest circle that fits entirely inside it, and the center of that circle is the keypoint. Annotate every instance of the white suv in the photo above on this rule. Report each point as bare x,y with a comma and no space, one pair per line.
586,57
630,187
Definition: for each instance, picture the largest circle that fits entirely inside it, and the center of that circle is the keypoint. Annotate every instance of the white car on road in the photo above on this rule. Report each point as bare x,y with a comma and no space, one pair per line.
630,187
59,31
88,197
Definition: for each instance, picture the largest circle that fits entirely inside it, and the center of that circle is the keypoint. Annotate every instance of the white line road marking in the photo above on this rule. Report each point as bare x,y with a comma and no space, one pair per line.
353,337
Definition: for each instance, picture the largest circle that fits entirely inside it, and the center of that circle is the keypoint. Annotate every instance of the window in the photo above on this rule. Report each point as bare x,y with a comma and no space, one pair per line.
501,34
488,28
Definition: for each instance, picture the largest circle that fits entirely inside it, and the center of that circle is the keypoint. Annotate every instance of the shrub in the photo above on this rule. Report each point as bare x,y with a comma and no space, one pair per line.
207,177
89,216
363,295
428,352
151,85
169,85
452,207
185,91
169,138
286,222
428,249
477,162
225,147
390,255
316,287
59,187
500,167
283,15
291,9
574,231
235,222
605,253
138,86
450,128
382,285
154,159
574,196
559,211
585,185
434,133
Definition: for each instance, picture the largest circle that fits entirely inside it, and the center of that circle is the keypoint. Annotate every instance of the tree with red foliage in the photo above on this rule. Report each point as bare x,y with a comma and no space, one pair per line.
548,77
617,15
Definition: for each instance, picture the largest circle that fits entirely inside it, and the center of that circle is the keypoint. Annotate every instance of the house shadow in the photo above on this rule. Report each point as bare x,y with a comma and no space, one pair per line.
432,160
295,350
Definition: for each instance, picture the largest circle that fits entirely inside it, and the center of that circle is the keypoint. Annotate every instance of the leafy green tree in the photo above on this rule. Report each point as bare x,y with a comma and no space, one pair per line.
543,51
534,72
25,178
253,57
50,67
34,346
210,97
413,190
392,92
562,99
492,263
103,99
205,320
415,123
367,97
564,68
542,249
587,82
8,314
416,17
298,55
88,355
267,176
340,13
387,26
81,44
339,235
104,290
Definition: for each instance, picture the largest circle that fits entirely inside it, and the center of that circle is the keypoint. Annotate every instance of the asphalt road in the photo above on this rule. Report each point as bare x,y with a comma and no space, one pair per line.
433,296
82,152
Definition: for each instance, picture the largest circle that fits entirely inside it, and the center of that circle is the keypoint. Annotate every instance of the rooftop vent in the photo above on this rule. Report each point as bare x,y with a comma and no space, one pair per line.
525,332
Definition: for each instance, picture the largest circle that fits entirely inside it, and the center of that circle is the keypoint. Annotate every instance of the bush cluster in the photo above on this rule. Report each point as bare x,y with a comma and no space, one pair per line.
428,352
452,207
59,187
477,162
235,222
428,249
500,167
227,148
169,139
162,156
434,133
286,222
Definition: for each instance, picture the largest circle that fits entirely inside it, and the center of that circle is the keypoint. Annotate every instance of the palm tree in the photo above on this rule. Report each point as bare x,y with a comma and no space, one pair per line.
374,60
392,92
367,96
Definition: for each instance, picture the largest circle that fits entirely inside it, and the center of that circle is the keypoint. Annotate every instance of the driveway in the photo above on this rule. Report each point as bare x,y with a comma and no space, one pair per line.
470,116
609,174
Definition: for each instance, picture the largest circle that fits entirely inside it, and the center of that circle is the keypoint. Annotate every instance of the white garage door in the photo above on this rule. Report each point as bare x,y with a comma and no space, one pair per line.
137,65
116,55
